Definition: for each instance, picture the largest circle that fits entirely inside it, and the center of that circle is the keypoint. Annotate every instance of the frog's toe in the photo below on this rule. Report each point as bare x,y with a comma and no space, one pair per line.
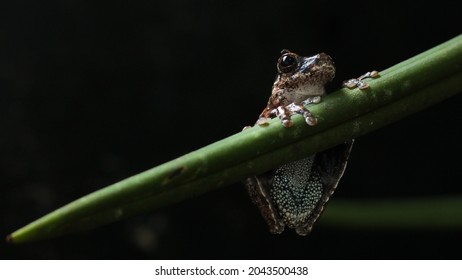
262,121
309,118
312,100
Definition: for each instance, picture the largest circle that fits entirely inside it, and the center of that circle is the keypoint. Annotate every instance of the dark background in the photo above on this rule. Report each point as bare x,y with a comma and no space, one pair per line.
91,93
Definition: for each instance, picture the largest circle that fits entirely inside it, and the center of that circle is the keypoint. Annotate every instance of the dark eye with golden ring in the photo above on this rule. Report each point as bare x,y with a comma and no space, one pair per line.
287,63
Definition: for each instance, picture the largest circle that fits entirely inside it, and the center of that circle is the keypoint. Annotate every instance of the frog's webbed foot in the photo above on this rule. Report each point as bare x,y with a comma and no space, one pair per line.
359,83
301,110
282,112
285,112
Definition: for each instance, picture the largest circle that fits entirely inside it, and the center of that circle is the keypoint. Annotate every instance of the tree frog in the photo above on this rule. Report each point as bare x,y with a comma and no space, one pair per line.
295,194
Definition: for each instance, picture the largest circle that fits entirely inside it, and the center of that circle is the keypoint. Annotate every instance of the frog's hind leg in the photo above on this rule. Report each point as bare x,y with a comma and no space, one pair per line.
257,187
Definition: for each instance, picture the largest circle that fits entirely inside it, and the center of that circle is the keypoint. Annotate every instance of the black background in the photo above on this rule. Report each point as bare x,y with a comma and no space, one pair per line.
91,93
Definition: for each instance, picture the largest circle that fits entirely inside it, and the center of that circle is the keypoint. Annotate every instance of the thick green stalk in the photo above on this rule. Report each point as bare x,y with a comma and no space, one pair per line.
401,90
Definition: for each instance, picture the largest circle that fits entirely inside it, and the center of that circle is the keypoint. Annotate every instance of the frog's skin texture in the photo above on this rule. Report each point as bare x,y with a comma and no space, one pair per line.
295,194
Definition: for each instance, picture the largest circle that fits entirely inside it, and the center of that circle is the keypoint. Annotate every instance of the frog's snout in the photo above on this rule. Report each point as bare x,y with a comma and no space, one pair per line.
323,58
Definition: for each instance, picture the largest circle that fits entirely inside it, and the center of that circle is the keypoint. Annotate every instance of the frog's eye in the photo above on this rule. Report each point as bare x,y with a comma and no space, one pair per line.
287,63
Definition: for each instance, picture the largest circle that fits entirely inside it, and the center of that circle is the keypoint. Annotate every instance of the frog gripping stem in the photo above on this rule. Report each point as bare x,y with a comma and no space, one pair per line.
295,194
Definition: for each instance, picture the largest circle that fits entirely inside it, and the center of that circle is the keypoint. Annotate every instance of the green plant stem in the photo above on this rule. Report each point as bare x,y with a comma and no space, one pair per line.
401,90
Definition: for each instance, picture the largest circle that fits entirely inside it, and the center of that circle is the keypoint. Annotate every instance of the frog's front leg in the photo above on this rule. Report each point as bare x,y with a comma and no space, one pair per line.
285,112
258,189
282,112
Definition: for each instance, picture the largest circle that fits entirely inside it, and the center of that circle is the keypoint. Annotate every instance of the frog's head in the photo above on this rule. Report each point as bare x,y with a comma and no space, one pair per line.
304,76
